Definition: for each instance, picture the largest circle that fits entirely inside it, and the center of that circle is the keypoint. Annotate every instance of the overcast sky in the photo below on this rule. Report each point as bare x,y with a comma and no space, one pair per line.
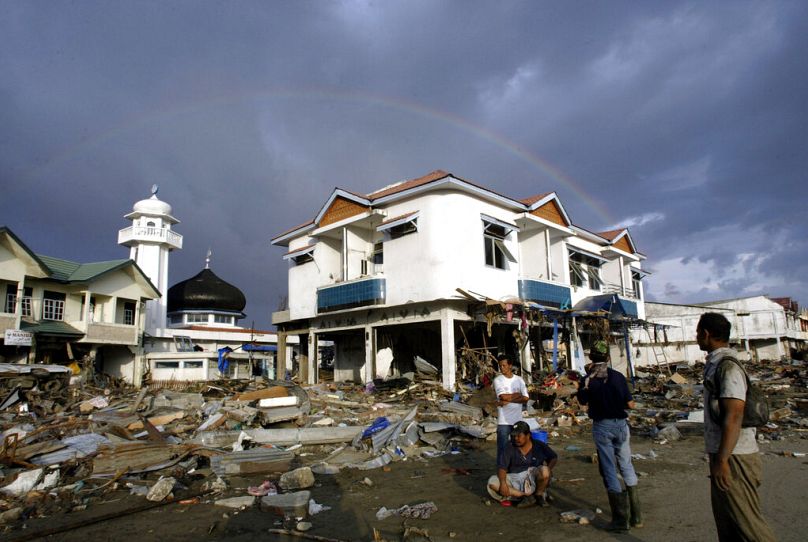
686,121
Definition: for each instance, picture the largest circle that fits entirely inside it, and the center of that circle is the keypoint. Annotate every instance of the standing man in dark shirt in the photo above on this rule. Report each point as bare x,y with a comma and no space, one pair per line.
606,393
523,470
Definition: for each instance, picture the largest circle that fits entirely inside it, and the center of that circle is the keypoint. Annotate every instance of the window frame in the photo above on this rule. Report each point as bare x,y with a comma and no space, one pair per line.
496,253
585,270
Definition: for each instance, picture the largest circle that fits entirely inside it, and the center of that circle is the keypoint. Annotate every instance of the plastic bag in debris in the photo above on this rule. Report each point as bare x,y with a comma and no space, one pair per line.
378,424
669,432
315,508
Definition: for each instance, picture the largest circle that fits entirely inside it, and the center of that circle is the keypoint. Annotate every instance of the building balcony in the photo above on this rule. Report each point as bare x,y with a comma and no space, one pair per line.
111,334
140,234
346,295
549,294
610,288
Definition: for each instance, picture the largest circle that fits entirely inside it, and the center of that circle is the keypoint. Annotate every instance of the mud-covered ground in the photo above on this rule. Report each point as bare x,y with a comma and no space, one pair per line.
674,490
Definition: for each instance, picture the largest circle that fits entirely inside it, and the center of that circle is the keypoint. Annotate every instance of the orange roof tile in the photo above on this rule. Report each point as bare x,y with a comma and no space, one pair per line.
533,199
611,234
406,185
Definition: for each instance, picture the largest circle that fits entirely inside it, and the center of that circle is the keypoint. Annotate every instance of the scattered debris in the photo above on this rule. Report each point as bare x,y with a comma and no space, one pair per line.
76,443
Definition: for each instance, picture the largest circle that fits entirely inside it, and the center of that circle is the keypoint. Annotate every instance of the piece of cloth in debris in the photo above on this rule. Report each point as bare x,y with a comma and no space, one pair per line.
418,511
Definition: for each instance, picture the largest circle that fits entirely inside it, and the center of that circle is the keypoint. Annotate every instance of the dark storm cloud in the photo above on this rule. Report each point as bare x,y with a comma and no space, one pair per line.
685,120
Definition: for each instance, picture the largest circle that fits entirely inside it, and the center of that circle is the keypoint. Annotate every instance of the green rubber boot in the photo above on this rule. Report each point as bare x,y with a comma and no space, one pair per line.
619,505
635,515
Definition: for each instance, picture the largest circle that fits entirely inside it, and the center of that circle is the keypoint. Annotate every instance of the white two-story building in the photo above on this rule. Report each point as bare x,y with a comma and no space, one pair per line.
399,268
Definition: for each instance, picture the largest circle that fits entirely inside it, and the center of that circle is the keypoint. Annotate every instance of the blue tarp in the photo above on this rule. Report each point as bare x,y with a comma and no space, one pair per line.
610,303
223,361
259,348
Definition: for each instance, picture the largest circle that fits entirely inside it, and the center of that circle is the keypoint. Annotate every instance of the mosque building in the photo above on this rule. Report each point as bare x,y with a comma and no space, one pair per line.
195,319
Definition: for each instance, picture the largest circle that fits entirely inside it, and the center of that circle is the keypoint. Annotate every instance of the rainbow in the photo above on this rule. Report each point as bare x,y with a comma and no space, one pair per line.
498,140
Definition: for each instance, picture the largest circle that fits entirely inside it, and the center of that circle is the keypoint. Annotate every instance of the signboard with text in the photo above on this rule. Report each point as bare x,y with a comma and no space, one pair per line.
15,337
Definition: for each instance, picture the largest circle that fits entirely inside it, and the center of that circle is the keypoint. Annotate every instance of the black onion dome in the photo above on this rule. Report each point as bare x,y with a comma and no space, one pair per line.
205,291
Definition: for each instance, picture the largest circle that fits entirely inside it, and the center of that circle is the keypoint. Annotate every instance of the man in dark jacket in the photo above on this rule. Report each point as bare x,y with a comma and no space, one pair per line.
606,392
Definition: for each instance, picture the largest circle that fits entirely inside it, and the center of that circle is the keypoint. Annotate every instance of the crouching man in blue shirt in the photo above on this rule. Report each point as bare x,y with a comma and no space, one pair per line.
524,470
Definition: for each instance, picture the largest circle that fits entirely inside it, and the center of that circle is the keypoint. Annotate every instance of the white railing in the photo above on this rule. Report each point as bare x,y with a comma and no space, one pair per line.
150,233
609,288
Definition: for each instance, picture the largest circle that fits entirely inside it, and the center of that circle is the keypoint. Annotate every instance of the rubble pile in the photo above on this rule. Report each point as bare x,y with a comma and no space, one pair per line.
65,449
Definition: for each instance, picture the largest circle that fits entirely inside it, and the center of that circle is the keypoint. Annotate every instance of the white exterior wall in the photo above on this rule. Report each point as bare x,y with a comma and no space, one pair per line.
533,254
610,273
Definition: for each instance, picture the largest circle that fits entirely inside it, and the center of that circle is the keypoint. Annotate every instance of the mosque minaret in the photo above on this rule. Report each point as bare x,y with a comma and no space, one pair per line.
150,240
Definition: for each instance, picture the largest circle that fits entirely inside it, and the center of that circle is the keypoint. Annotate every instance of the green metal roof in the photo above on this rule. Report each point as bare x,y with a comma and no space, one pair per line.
68,271
51,327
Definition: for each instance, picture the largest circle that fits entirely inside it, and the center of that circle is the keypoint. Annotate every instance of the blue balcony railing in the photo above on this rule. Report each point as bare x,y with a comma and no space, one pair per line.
545,293
347,295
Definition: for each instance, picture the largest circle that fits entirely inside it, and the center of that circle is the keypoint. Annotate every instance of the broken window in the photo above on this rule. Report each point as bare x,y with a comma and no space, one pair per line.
183,343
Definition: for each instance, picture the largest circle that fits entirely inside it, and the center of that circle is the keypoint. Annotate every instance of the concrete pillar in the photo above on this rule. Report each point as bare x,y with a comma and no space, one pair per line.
303,358
280,357
314,359
622,276
447,341
780,351
370,354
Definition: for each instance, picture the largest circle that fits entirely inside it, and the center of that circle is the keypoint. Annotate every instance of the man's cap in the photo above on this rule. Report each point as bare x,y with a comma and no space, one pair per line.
521,427
599,349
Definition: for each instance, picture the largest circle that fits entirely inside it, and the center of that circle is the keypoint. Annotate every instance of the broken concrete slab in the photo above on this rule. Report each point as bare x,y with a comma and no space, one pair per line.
236,502
281,437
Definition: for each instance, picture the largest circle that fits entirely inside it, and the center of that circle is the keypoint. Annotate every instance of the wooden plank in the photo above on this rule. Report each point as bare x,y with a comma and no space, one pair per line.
161,419
266,393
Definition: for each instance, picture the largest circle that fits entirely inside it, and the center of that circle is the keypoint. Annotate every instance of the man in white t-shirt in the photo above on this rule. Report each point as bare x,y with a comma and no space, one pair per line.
735,465
511,395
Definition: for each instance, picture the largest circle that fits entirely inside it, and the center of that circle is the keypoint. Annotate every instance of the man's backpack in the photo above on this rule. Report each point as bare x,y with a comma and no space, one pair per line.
755,408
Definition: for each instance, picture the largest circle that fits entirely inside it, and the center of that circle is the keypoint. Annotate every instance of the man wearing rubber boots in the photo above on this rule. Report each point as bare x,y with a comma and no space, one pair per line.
606,392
